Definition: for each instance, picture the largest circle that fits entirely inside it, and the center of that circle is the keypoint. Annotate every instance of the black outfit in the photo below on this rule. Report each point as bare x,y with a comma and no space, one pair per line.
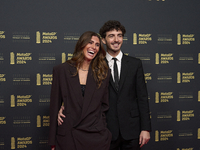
128,114
84,127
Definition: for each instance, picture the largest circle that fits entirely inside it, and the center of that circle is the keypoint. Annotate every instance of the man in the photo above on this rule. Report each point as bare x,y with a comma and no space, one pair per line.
128,117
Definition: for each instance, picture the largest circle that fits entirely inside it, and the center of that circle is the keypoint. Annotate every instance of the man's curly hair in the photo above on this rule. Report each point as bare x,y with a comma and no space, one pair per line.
111,25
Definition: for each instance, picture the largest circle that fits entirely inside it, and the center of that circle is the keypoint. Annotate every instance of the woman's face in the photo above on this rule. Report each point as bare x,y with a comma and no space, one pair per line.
92,48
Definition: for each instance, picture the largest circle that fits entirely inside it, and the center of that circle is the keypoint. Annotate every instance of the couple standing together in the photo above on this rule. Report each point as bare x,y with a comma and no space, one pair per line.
105,100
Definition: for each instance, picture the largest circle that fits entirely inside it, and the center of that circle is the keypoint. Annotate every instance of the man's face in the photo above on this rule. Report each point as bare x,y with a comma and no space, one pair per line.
113,41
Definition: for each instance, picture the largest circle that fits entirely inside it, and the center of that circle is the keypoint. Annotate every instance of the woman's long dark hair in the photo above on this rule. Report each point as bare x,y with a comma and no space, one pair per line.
98,64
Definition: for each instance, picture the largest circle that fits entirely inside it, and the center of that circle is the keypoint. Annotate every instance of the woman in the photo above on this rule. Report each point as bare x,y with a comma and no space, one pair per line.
82,85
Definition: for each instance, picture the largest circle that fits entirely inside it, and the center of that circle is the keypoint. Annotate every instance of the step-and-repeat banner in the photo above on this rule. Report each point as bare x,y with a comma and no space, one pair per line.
36,35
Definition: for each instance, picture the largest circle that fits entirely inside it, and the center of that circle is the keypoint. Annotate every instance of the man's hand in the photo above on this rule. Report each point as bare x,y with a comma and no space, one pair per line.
144,138
53,147
60,114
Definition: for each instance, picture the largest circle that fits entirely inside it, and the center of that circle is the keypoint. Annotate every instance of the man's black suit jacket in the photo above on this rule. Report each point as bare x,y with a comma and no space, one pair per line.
129,107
